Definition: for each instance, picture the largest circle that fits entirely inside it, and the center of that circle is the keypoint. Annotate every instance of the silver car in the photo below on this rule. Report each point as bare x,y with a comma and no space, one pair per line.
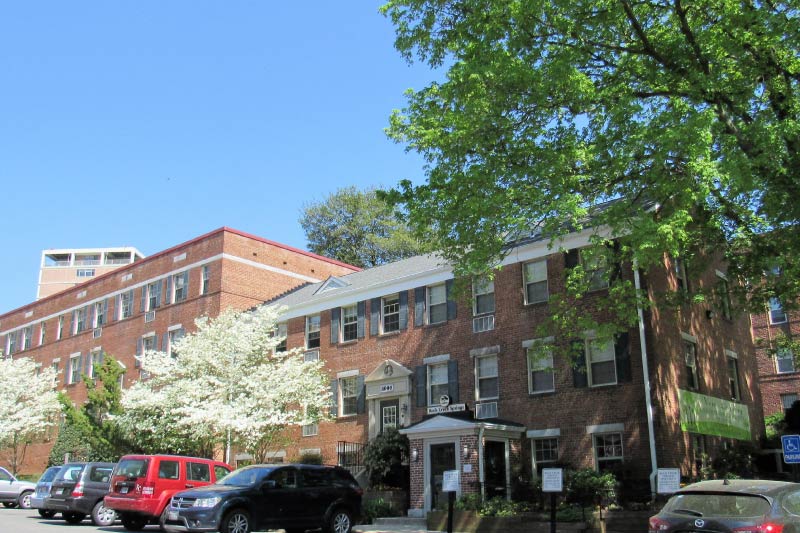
14,492
39,498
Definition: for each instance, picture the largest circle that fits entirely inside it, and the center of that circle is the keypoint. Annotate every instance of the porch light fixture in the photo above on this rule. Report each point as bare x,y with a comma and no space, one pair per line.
414,455
465,452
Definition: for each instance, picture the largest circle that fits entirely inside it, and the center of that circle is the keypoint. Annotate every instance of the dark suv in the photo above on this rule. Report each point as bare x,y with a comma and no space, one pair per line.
78,490
291,497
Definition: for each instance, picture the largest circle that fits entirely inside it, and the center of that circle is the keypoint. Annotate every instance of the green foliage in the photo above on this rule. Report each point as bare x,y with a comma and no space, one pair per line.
735,462
71,441
384,457
372,509
499,506
775,424
547,109
570,513
358,228
310,458
588,486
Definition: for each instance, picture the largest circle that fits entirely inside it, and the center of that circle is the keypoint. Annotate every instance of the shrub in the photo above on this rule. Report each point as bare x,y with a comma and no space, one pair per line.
372,509
383,460
587,486
310,458
469,502
499,506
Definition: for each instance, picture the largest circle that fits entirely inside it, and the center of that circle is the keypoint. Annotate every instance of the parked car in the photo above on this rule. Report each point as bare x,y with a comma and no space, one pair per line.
78,490
42,492
142,485
253,498
742,505
15,492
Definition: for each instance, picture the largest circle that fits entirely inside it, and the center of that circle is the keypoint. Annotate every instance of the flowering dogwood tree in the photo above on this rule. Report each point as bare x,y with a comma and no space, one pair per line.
28,405
228,383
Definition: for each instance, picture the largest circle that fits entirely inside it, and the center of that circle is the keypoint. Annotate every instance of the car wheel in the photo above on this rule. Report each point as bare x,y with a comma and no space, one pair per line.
339,521
163,519
236,521
9,505
73,518
46,513
133,522
24,500
102,515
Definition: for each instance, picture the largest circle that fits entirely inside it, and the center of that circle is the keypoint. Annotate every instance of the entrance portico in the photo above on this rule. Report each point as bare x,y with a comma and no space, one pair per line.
388,395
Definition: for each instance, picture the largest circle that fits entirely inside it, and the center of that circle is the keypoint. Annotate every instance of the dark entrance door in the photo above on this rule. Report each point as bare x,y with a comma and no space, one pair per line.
443,457
390,412
494,457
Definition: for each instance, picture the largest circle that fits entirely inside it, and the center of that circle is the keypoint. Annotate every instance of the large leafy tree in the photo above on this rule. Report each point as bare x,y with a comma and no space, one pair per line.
358,228
686,112
226,384
28,406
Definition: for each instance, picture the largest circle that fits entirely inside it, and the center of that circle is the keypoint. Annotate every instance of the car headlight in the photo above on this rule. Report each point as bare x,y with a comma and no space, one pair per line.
206,502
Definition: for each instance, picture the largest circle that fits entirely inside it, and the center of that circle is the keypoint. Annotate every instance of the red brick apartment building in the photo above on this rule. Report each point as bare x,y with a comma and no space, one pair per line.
148,303
456,378
779,380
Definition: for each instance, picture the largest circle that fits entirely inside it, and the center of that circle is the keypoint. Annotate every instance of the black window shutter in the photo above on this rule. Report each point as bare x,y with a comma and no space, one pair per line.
144,296
167,290
623,356
157,289
580,378
362,311
451,304
87,362
403,310
421,378
334,397
419,306
100,357
105,310
137,363
90,309
374,316
335,314
117,306
452,381
571,258
361,402
164,342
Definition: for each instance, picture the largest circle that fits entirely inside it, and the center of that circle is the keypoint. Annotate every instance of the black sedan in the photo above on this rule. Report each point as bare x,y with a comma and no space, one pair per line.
735,505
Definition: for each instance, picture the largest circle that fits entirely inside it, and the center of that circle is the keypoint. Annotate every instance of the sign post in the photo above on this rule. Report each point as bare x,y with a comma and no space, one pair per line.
552,482
450,484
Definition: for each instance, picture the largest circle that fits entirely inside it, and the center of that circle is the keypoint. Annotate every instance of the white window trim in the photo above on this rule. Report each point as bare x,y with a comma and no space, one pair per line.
790,356
429,305
384,315
434,359
308,330
340,392
527,345
620,458
478,378
72,357
428,367
475,284
526,282
588,351
342,322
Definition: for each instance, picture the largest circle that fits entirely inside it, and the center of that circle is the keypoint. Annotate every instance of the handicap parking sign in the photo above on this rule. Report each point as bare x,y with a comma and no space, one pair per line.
791,448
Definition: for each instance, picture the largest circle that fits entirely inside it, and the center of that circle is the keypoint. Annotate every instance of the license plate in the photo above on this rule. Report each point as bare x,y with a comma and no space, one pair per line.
123,490
172,515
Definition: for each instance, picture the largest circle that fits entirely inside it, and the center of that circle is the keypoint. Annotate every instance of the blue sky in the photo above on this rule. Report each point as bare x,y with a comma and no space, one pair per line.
149,123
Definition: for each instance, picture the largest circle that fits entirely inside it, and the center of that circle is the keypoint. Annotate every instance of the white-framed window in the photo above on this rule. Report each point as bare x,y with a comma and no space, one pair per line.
85,272
541,376
80,320
733,375
312,331
487,386
55,366
74,368
281,333
309,430
180,287
390,313
94,359
776,313
690,359
483,300
388,417
148,343
348,390
205,279
607,450
784,360
350,323
601,362
596,267
27,337
437,304
173,334
787,400
11,343
99,318
679,267
544,453
42,332
723,287
125,305
310,356
153,295
438,382
60,330
534,276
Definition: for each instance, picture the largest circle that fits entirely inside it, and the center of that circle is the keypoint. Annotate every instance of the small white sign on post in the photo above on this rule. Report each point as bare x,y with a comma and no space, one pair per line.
669,480
450,482
552,480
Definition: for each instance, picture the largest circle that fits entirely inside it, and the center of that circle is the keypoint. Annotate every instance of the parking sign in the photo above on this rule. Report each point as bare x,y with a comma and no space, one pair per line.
791,448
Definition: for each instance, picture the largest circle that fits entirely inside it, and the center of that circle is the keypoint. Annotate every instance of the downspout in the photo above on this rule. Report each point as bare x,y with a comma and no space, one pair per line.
647,391
480,463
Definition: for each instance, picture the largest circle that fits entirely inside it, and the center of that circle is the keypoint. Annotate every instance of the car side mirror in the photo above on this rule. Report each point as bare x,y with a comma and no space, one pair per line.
268,485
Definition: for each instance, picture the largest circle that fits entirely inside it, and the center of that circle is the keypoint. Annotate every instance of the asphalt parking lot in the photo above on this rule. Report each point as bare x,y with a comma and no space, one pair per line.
29,521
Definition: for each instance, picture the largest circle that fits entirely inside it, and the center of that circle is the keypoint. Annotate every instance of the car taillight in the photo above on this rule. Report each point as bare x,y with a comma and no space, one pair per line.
657,524
768,527
77,492
148,489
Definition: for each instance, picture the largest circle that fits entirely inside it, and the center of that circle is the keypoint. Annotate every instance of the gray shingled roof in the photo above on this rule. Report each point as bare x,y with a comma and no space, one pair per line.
359,281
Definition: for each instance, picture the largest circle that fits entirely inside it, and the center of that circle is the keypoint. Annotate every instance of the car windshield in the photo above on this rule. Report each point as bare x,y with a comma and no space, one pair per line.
245,477
132,468
49,474
718,504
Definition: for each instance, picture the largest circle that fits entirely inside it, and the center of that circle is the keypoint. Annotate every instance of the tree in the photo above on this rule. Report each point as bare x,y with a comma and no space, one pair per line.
685,113
226,384
28,405
358,228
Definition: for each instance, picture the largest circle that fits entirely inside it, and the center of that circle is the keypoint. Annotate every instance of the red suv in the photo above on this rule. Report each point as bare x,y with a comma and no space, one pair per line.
142,485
